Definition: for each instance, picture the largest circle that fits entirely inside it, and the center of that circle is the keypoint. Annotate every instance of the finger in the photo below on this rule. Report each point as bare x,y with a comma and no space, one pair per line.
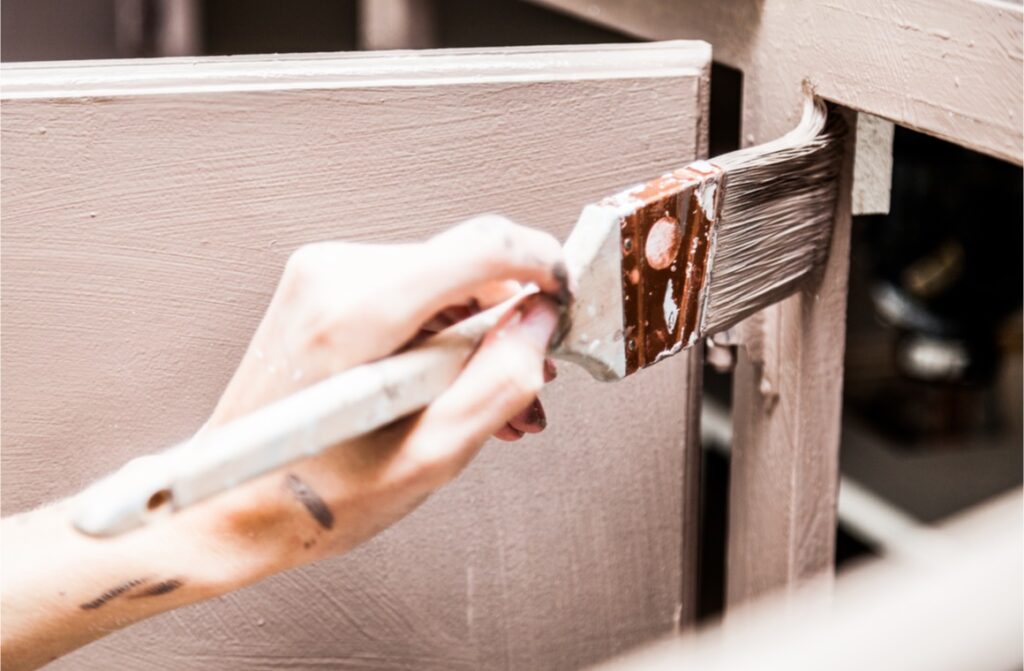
502,378
508,434
438,322
531,419
485,296
458,262
492,293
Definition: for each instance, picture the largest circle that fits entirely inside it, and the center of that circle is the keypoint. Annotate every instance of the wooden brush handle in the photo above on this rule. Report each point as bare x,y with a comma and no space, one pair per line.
340,408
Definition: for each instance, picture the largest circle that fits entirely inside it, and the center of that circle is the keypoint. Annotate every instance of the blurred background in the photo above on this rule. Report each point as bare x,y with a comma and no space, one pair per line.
933,404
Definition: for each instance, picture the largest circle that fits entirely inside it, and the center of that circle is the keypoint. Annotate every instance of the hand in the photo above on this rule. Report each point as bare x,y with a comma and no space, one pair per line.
532,419
339,305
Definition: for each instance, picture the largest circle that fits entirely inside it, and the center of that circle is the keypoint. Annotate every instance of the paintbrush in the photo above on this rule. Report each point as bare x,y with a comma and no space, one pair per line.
656,267
690,254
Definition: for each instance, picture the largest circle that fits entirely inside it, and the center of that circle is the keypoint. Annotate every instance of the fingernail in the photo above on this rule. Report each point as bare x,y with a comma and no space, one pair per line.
538,321
550,370
536,416
563,295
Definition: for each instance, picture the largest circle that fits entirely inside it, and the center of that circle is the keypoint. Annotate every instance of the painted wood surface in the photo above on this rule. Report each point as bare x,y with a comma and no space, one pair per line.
147,211
918,613
872,165
787,414
949,68
787,391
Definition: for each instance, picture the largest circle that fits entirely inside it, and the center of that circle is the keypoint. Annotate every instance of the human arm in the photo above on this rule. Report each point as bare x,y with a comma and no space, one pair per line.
62,589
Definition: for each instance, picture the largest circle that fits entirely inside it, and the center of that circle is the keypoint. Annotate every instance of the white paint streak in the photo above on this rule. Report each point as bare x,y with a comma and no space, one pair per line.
706,198
670,308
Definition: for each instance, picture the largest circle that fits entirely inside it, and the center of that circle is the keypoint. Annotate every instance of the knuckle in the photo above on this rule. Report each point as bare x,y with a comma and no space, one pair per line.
313,260
520,374
550,241
431,459
303,257
489,224
488,234
318,332
303,267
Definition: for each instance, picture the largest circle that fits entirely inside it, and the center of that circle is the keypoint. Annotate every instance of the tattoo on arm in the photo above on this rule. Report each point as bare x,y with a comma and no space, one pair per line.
112,593
129,588
162,587
311,500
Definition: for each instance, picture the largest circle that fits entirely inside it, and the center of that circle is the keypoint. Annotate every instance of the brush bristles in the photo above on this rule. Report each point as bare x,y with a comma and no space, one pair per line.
776,218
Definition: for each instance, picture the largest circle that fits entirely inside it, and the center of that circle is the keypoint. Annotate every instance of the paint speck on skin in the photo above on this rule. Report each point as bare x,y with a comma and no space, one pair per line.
297,374
258,353
311,500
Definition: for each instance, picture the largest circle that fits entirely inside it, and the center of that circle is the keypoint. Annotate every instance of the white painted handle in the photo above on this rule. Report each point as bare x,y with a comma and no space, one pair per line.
340,408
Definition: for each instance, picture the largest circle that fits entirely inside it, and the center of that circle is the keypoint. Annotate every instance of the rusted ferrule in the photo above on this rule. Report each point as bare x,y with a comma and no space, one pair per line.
667,233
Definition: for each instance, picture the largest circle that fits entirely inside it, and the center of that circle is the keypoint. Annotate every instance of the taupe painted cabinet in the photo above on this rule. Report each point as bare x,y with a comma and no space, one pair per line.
148,208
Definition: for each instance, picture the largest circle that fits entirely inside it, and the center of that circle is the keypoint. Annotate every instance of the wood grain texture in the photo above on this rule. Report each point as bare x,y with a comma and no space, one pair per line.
949,68
147,212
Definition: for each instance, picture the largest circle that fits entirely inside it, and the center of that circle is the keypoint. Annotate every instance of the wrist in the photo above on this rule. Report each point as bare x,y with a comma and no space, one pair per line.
63,589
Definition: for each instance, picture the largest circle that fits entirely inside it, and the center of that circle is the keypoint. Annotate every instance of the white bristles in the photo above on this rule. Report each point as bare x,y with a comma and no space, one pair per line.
775,222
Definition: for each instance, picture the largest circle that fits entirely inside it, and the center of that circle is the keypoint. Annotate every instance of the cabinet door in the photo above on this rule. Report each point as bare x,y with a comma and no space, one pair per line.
148,208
